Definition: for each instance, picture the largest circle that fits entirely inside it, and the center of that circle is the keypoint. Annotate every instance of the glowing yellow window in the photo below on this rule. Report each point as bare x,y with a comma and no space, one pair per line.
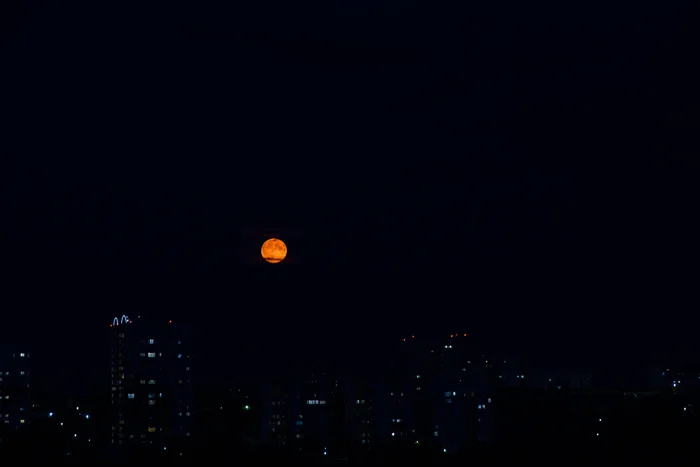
151,429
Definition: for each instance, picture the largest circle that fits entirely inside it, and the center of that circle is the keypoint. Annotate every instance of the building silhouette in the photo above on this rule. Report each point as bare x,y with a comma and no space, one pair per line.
151,386
15,391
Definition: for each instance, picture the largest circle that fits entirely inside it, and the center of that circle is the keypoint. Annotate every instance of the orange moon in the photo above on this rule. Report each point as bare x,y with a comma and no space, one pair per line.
273,250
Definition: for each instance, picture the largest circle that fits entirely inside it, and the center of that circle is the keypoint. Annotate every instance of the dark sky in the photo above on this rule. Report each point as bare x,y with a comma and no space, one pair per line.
523,173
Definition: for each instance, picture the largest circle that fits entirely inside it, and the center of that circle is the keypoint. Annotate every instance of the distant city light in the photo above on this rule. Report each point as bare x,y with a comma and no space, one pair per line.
50,414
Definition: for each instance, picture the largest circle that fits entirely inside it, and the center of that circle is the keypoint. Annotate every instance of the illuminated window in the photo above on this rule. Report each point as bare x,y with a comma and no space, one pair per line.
179,355
151,341
151,402
151,355
21,420
143,354
21,355
130,396
151,381
151,429
435,433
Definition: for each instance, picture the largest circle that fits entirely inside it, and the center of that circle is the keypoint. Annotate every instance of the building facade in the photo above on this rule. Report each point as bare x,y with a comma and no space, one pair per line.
151,384
15,391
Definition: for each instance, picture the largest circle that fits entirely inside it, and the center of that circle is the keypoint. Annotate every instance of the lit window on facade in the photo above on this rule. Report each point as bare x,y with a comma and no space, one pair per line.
151,341
130,396
151,355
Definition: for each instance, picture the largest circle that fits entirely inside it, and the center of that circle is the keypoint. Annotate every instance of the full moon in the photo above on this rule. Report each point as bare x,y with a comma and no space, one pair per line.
273,250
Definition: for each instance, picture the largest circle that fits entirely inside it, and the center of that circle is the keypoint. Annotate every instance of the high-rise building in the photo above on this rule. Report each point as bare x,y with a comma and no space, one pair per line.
309,415
151,384
450,392
15,390
280,409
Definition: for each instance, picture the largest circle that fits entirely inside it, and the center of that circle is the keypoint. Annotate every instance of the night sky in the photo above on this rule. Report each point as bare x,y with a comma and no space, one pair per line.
522,173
